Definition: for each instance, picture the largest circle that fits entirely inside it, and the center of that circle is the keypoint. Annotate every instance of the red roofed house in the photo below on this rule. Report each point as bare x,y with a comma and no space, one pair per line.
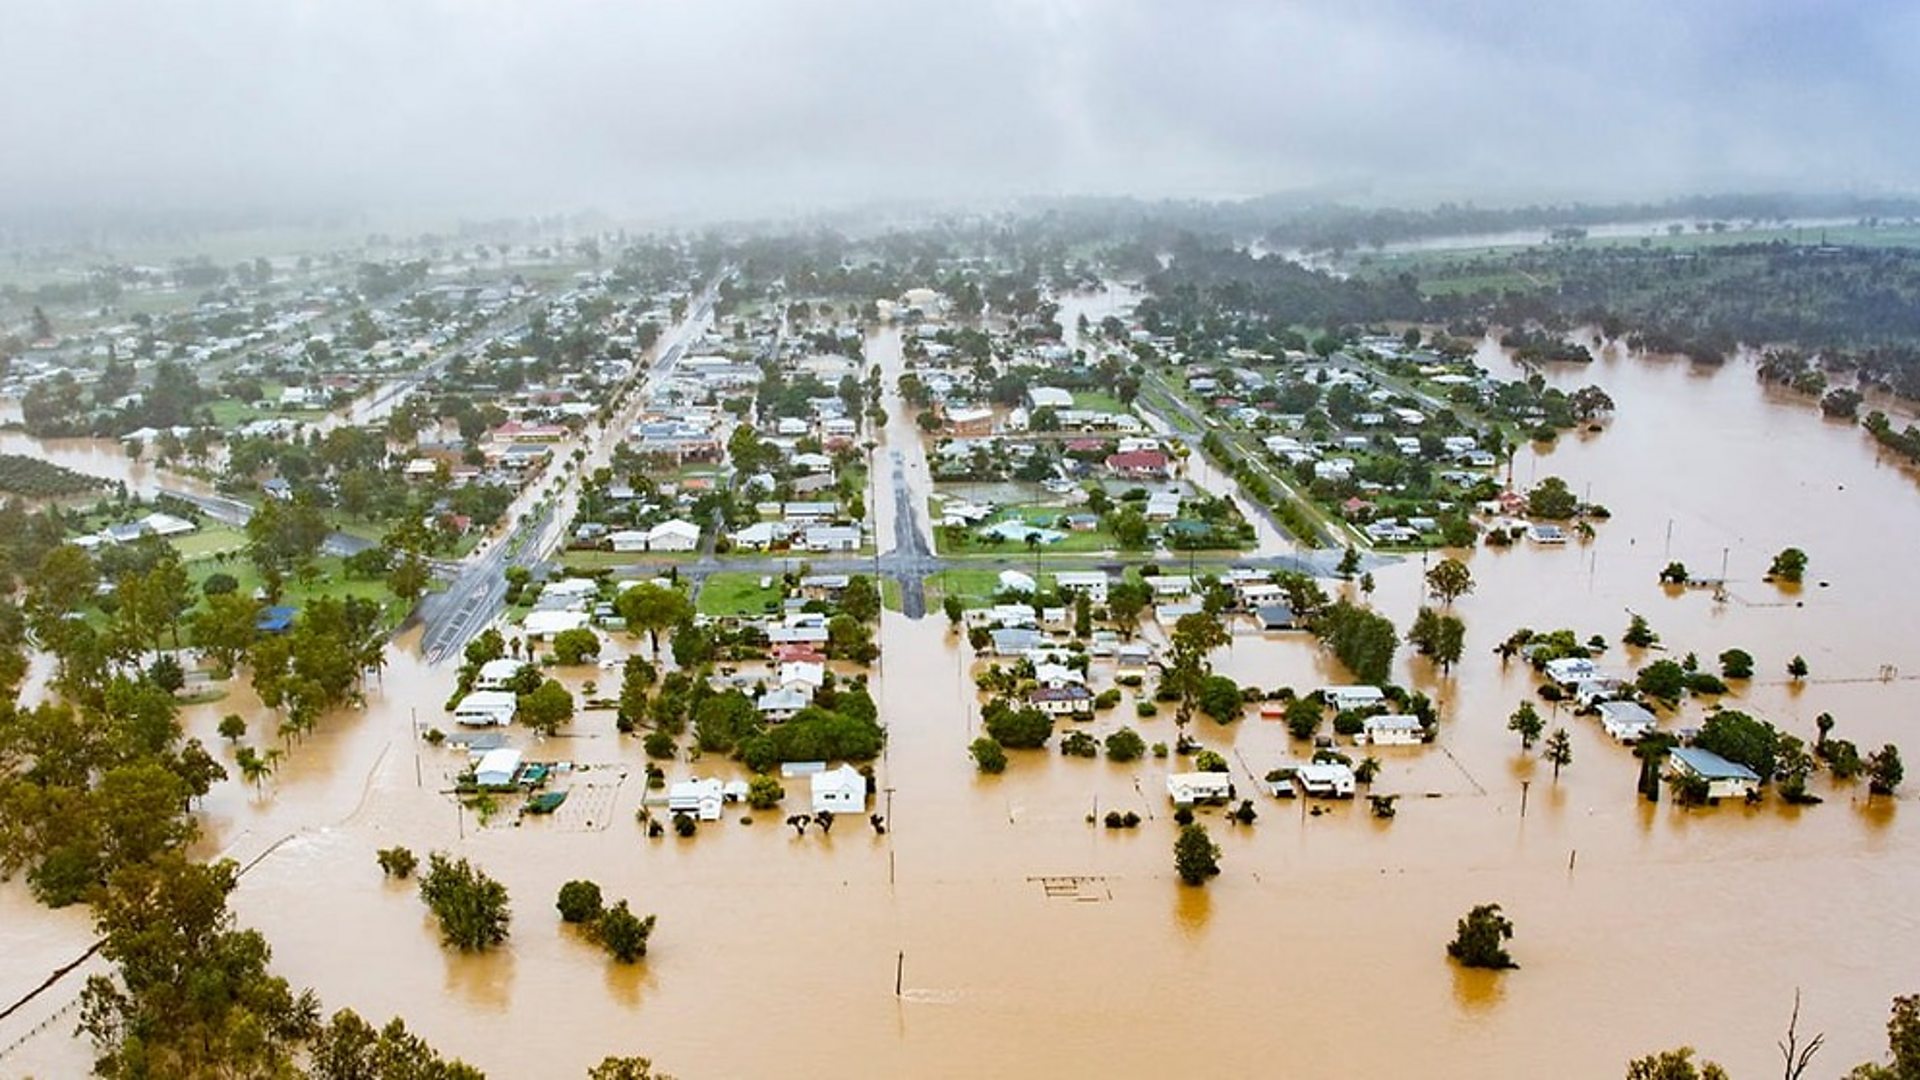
1139,465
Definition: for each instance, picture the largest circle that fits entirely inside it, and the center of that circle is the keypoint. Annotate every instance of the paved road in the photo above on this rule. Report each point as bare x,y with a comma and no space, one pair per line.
477,594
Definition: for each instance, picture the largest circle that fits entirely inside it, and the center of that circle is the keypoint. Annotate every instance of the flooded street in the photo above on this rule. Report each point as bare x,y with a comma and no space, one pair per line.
1029,943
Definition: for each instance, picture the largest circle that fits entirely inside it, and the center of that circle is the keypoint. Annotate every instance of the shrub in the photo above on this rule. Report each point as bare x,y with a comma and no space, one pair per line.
1159,749
396,862
1125,745
1479,939
988,755
1079,744
1209,761
471,907
1106,699
660,745
684,825
1145,709
1349,723
579,902
623,933
764,792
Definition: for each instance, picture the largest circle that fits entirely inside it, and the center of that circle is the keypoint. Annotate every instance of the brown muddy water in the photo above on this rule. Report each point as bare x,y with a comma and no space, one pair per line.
1318,951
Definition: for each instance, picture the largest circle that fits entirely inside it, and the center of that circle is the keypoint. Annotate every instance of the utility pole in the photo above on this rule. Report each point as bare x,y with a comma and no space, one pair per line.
1524,784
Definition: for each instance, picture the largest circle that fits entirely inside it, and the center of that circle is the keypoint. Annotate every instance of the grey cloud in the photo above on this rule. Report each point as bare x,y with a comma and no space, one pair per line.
725,106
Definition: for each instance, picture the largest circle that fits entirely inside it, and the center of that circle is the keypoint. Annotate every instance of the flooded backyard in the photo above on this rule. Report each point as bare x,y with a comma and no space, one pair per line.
1024,941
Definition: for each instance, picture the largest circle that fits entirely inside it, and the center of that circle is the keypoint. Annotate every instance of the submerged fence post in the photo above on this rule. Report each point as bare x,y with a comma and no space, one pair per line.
899,970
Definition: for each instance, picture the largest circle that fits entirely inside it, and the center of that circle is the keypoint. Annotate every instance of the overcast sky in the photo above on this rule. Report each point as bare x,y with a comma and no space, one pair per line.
649,108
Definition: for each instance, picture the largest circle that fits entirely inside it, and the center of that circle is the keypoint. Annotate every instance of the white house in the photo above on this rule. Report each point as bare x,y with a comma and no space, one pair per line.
840,791
779,706
1049,674
1725,779
703,798
1064,700
1092,582
808,675
496,674
1625,721
1343,698
497,767
1568,670
1328,780
1132,659
484,708
628,540
1185,789
1016,582
674,535
1391,731
831,538
1163,506
545,624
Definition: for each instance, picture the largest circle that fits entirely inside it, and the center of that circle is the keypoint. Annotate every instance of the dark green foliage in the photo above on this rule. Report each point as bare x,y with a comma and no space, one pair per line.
579,902
1363,640
1079,744
397,862
1736,664
1017,728
623,934
471,907
987,755
1125,745
1479,940
1195,856
1740,738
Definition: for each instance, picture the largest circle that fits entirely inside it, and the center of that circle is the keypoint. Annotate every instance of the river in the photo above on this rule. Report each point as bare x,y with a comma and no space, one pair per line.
1319,951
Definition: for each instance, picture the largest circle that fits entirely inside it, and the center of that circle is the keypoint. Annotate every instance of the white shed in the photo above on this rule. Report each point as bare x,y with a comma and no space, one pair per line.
703,798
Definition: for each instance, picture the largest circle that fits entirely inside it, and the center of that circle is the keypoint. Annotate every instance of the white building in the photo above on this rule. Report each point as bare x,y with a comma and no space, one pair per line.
702,798
1625,721
1343,698
1186,789
496,674
674,535
486,708
1328,780
1391,731
839,791
497,767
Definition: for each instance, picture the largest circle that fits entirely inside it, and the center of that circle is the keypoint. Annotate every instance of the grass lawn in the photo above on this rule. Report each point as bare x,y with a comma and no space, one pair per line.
1095,401
975,588
232,412
733,593
207,541
331,580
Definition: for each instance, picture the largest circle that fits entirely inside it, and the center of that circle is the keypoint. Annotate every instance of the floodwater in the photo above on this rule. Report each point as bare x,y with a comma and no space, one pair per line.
1024,942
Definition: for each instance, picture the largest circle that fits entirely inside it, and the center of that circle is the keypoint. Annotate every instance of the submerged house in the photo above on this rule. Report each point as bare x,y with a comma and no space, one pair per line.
1725,779
839,791
1186,789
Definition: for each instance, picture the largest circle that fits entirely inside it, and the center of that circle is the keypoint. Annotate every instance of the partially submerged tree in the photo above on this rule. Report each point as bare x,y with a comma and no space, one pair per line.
1479,940
1195,856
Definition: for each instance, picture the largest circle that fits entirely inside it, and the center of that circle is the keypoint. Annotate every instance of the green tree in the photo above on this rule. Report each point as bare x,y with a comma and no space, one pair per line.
623,933
1194,637
349,1048
396,862
1126,599
1363,640
860,599
1527,722
488,646
764,792
1797,668
1673,1065
1789,566
1449,580
1220,698
1439,637
546,708
1304,717
987,755
1479,939
190,995
1129,529
576,646
471,907
579,902
1903,1044
625,1068
1349,563
1024,728
1884,770
1558,751
1742,739
1639,634
1125,745
1662,680
1195,856
233,727
652,608
1736,664
1551,499
955,609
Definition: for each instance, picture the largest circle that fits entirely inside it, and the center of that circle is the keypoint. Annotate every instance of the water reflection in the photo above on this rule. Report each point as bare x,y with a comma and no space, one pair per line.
482,980
1477,991
1192,909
